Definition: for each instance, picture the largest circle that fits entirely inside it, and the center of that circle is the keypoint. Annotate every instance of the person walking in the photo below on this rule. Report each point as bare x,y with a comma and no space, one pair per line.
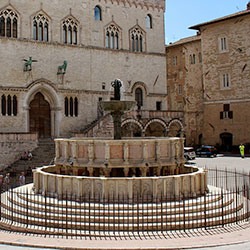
6,182
22,179
242,150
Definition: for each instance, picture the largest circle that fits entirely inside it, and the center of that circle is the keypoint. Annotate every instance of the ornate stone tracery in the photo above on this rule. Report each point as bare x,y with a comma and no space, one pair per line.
9,20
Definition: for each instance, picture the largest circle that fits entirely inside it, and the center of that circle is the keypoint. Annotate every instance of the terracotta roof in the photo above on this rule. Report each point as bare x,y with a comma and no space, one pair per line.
185,40
241,13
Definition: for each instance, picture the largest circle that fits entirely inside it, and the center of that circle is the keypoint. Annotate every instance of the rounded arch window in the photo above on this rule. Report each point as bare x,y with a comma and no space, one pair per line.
139,97
149,21
98,13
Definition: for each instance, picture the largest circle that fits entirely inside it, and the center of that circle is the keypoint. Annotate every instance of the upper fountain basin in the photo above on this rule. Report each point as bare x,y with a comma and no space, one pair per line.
116,105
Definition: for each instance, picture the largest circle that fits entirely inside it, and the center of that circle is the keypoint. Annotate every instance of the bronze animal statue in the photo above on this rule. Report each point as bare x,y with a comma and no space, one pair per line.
62,68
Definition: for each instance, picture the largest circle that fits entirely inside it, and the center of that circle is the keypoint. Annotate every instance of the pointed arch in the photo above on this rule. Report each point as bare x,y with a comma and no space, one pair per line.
41,26
70,30
137,38
113,36
49,92
9,22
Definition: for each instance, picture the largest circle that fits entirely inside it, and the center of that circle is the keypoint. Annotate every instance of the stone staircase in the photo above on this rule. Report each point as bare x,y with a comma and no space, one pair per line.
24,211
43,155
102,127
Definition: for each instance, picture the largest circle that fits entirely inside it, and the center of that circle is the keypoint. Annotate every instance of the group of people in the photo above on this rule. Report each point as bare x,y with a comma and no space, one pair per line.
26,156
5,181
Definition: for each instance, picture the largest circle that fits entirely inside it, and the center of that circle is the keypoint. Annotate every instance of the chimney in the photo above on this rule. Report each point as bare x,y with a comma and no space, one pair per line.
248,5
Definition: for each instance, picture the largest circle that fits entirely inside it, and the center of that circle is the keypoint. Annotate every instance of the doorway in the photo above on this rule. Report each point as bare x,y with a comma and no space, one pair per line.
40,120
226,141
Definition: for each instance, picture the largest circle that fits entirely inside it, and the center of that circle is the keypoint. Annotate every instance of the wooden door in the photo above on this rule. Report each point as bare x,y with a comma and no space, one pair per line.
40,116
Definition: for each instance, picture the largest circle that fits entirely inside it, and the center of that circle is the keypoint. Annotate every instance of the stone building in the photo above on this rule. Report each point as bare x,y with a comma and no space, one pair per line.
184,84
212,70
58,60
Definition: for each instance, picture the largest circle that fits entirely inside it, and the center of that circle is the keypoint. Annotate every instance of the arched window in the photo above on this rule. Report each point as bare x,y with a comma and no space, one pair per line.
71,107
8,30
66,106
35,36
141,44
14,105
8,22
46,32
15,28
70,35
113,36
64,33
76,106
112,40
137,39
75,35
132,42
69,30
139,97
3,105
149,21
2,26
9,106
107,40
41,27
116,41
40,31
98,13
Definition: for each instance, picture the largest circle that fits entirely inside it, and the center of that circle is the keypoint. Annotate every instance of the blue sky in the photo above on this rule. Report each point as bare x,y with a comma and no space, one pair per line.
181,14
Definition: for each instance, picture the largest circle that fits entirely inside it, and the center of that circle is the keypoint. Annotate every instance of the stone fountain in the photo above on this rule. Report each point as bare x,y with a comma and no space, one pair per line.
112,168
117,108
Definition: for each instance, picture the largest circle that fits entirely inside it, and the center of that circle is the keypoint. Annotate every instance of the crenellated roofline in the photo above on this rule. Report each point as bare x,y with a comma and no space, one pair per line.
153,4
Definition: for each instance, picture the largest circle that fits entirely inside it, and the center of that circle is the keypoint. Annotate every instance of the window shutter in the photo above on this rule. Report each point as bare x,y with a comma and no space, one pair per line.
221,115
230,114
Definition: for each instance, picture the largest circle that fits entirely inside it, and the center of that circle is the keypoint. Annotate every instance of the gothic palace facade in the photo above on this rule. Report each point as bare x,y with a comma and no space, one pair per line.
58,59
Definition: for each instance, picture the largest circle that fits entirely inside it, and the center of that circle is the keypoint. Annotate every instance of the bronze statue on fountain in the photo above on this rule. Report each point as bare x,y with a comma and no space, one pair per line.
117,107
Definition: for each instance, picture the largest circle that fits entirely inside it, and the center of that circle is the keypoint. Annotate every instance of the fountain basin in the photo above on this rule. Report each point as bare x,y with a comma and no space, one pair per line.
101,167
115,105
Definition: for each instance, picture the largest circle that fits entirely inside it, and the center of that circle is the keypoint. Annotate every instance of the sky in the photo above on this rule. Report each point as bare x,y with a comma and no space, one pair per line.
181,14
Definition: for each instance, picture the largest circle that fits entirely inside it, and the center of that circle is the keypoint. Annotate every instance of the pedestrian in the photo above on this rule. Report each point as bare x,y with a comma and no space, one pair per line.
6,182
22,179
242,149
30,156
1,183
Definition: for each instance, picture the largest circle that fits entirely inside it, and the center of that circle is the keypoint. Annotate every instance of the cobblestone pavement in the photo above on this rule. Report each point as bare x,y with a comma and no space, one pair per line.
230,238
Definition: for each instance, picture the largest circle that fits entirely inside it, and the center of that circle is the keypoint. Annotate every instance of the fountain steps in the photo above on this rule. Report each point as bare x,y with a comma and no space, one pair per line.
71,217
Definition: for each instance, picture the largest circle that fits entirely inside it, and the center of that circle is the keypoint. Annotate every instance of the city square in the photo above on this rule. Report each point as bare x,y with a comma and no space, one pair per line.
112,136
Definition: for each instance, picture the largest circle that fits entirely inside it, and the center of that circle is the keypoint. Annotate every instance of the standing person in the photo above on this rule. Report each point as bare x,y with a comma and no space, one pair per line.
1,183
242,149
6,182
22,179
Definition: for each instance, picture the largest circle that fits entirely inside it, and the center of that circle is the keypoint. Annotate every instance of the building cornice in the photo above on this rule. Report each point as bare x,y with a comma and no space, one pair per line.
238,14
227,101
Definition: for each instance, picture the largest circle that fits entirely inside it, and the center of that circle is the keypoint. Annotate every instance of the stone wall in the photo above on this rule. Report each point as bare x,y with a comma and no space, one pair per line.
235,62
184,82
13,145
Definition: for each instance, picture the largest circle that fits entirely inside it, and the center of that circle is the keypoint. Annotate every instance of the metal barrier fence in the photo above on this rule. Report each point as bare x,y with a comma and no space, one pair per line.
226,203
